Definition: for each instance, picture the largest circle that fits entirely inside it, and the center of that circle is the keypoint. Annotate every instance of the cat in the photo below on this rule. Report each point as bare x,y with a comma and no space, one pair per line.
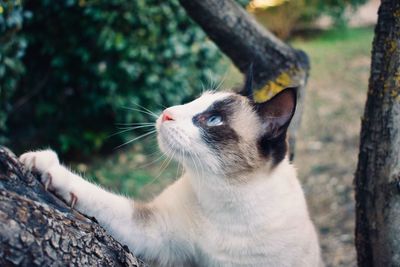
238,203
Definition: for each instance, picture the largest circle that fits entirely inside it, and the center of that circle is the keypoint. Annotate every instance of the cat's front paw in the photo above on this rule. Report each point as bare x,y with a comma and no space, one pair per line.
53,176
41,160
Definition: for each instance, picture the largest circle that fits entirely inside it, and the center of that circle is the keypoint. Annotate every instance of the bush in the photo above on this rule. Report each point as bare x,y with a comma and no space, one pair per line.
11,50
336,9
86,60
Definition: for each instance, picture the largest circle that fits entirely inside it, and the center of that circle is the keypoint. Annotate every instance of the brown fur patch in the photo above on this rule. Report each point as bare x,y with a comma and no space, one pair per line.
142,212
273,149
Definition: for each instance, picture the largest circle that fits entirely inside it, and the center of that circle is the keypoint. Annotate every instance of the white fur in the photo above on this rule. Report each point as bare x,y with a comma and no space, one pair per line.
202,219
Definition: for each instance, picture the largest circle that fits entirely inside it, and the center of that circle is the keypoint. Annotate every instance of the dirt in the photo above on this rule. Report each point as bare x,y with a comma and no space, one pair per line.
326,158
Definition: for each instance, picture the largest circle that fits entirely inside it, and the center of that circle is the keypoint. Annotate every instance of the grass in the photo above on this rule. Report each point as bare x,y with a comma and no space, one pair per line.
327,146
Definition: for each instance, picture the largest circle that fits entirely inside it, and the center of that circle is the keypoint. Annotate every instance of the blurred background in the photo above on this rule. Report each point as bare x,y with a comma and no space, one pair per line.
76,75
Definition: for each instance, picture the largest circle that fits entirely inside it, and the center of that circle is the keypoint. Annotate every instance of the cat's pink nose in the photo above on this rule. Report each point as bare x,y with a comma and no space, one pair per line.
166,116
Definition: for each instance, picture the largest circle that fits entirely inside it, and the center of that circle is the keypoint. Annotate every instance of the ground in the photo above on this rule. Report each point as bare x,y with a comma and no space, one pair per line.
327,145
328,141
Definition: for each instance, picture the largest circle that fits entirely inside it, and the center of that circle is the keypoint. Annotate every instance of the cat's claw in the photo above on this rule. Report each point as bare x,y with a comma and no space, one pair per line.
52,174
73,201
46,180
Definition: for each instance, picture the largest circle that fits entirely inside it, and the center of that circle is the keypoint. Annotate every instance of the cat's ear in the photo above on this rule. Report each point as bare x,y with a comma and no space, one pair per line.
277,113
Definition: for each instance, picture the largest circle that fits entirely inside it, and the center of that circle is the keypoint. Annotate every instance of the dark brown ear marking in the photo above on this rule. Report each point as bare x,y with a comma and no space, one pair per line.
276,115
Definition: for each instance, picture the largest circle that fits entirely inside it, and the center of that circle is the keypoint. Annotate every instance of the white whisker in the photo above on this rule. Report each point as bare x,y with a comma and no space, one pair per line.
137,138
164,154
153,161
203,88
164,166
134,123
195,165
142,111
221,82
134,127
199,161
196,157
123,130
181,156
145,109
210,80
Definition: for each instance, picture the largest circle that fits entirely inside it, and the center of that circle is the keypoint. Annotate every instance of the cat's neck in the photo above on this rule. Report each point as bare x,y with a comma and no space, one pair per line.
220,196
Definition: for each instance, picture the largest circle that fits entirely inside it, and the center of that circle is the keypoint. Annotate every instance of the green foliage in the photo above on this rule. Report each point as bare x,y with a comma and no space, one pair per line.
11,50
334,8
243,3
86,60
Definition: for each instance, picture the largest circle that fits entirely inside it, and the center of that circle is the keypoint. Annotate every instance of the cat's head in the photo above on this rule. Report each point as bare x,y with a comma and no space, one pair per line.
227,133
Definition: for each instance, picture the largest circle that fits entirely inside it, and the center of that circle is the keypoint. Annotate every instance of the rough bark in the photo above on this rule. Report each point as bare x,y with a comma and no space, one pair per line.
377,178
276,65
38,229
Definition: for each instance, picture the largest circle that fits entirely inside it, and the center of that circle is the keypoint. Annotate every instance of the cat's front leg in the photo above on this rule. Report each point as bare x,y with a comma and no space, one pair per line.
79,193
114,212
145,228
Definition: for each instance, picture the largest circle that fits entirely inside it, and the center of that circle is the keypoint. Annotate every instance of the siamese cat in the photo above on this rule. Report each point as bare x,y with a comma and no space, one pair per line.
238,203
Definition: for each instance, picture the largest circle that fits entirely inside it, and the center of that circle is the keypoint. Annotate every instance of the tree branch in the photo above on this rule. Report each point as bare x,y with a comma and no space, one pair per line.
276,64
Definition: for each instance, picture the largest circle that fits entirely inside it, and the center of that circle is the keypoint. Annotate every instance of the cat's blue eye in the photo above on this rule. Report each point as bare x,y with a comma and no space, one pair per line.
214,120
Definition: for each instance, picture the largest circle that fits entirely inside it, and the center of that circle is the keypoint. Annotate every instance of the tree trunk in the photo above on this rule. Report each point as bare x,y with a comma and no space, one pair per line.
38,229
377,178
276,65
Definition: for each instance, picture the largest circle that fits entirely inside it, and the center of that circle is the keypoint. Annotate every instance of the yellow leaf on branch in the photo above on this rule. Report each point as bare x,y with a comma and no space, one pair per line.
272,88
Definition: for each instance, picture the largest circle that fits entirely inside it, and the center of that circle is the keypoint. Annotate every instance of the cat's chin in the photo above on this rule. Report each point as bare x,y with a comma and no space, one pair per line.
171,140
170,147
180,154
